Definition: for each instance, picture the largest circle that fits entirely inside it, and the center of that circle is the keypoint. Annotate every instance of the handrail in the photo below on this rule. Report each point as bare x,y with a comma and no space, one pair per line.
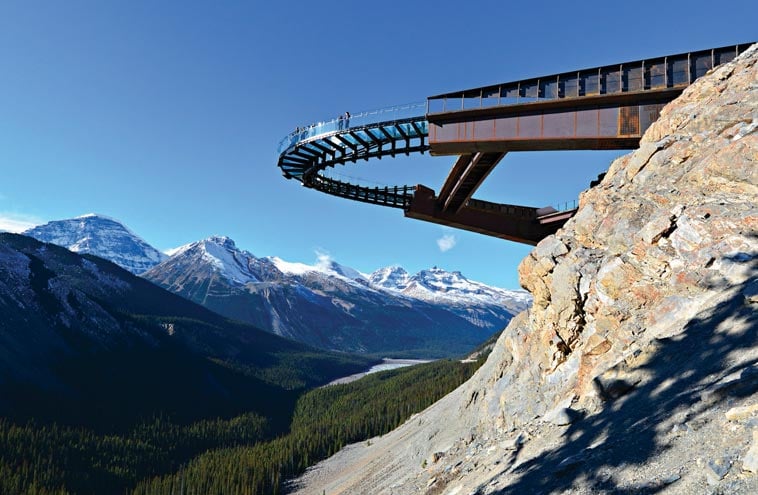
392,196
397,112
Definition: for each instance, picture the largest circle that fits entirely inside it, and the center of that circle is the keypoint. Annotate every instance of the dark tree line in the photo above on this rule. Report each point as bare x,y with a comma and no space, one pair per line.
53,459
325,420
224,456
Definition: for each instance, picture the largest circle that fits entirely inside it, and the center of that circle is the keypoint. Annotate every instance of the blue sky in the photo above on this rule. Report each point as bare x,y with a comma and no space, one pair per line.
166,115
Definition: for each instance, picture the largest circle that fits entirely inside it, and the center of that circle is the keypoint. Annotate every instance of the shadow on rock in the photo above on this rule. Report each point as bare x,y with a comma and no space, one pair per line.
687,375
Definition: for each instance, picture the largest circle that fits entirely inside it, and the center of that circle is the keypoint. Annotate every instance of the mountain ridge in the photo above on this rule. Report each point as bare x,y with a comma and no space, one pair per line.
329,305
339,307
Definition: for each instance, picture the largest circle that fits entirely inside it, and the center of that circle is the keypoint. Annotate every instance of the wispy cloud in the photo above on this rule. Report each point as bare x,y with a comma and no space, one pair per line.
323,258
446,242
14,222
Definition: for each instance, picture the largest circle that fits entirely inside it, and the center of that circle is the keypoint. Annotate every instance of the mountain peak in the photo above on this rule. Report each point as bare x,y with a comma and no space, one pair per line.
101,236
452,288
390,277
217,253
209,243
437,271
222,240
95,215
329,265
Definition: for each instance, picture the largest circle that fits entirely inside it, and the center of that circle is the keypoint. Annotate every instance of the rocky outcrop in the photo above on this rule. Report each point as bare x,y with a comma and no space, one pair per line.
643,334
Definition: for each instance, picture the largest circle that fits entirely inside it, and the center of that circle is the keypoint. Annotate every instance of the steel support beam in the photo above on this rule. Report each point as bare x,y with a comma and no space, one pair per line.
510,222
463,185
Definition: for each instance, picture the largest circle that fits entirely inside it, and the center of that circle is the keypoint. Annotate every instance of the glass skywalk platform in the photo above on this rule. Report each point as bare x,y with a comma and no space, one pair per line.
305,153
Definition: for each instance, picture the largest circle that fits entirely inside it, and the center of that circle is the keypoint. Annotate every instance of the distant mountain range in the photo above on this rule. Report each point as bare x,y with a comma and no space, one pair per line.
433,313
83,340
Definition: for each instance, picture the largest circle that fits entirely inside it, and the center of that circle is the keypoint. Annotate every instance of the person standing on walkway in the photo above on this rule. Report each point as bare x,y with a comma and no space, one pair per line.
347,120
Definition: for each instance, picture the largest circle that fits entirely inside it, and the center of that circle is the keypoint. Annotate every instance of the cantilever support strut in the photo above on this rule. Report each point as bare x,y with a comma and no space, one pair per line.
521,224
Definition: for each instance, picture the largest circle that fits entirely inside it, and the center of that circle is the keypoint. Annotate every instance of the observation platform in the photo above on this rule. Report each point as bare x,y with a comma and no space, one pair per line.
607,107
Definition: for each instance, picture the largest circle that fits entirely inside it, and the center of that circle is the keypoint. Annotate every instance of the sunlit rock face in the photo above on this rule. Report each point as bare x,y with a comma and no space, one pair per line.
670,232
641,342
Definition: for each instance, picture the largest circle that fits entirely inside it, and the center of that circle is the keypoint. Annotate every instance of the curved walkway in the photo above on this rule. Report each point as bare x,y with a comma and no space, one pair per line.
305,153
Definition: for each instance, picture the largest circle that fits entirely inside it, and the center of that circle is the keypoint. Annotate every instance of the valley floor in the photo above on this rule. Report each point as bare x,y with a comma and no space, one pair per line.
386,364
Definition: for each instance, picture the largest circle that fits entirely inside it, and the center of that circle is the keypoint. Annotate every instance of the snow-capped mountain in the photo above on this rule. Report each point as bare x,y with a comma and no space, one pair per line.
393,278
328,305
101,236
221,256
337,307
438,285
479,303
324,266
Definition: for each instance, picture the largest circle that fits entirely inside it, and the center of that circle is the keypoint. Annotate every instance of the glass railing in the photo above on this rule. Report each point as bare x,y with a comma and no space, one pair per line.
399,112
566,205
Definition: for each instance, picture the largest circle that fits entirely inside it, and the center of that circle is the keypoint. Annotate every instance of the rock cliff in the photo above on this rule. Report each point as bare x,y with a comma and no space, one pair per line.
636,368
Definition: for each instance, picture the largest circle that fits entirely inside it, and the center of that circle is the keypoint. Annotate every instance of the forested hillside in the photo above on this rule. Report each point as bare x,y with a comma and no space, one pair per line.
217,456
325,420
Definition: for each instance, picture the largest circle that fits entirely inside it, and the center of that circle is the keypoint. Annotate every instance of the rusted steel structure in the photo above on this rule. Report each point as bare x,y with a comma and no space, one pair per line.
607,107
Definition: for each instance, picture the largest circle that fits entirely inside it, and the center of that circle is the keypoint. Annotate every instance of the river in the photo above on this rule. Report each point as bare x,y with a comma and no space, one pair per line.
386,364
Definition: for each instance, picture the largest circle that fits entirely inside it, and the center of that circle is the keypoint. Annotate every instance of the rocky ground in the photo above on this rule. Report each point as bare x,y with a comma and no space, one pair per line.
636,369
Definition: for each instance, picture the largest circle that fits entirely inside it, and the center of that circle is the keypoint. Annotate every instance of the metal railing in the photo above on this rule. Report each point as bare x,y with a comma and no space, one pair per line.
566,205
392,196
363,119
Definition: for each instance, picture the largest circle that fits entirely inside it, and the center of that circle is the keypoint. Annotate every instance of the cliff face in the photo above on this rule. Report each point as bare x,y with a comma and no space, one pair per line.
635,369
671,232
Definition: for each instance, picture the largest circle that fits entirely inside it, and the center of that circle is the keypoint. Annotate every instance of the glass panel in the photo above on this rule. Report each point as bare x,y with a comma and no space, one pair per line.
509,94
679,69
702,63
472,100
400,112
632,78
362,134
569,87
490,97
453,103
724,55
529,91
656,70
549,88
436,105
589,84
610,80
